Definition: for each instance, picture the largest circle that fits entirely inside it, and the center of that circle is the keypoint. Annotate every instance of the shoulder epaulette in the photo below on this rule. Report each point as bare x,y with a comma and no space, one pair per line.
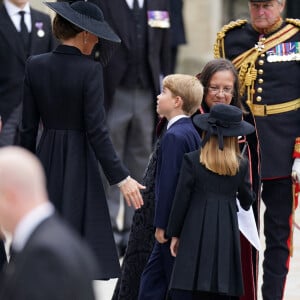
295,22
219,44
229,26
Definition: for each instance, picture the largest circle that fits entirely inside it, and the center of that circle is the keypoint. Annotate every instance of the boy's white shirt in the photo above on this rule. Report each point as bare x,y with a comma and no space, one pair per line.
175,119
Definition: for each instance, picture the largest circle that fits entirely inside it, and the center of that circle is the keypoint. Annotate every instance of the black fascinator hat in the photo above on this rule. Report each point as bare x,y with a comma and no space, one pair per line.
223,120
89,17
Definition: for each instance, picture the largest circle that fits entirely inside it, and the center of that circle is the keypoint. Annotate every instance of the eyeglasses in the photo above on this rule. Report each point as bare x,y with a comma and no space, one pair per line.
215,90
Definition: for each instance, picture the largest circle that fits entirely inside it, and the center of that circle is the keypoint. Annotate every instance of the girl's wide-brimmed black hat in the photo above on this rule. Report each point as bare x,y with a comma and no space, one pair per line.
223,120
89,17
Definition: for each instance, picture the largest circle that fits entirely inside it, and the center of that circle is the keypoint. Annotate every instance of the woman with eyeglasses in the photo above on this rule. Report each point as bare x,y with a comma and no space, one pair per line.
220,81
221,85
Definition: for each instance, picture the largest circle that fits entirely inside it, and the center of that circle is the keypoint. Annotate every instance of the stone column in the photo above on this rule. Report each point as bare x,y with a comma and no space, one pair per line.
38,4
202,22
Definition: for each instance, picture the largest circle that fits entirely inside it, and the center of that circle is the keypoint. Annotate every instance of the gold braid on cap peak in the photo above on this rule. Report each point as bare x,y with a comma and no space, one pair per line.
295,22
219,50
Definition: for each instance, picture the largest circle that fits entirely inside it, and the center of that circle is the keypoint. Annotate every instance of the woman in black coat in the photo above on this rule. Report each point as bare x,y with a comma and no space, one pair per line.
203,221
64,90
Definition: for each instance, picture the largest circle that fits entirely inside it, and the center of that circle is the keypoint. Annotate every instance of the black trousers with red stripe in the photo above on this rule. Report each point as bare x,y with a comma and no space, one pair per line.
277,196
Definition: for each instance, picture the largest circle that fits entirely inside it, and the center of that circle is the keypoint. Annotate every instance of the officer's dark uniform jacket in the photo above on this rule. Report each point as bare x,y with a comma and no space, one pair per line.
273,79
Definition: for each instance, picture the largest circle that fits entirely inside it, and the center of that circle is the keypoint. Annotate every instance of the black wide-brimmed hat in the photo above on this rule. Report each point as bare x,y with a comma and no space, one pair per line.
89,17
223,120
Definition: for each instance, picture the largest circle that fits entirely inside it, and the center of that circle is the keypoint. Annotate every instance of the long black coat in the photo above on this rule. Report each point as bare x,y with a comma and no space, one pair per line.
204,217
13,56
64,89
54,265
250,148
141,238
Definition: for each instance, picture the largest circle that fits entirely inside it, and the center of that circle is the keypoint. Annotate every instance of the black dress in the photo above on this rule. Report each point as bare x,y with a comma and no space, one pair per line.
204,217
64,90
141,238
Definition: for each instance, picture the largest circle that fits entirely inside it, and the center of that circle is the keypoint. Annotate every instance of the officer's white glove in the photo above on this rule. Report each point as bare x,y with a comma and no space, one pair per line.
296,170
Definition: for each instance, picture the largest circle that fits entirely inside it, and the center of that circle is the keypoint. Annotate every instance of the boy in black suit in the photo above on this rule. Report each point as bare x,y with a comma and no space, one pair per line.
179,99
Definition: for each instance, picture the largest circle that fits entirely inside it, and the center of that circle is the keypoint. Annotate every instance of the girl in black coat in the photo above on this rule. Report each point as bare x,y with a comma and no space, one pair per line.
203,221
222,73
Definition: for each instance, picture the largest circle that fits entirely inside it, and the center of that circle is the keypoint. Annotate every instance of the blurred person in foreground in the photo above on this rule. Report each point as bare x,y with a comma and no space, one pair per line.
49,260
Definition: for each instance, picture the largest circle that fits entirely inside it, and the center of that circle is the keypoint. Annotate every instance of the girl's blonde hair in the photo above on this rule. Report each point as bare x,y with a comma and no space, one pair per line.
222,162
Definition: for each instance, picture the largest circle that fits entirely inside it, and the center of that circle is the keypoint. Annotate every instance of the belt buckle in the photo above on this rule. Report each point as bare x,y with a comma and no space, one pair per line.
260,110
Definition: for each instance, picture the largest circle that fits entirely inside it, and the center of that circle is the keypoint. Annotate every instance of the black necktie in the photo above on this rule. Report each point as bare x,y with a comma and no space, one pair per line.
24,31
136,4
136,9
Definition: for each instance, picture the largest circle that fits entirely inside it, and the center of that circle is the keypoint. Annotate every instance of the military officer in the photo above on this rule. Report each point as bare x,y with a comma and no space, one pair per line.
266,52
